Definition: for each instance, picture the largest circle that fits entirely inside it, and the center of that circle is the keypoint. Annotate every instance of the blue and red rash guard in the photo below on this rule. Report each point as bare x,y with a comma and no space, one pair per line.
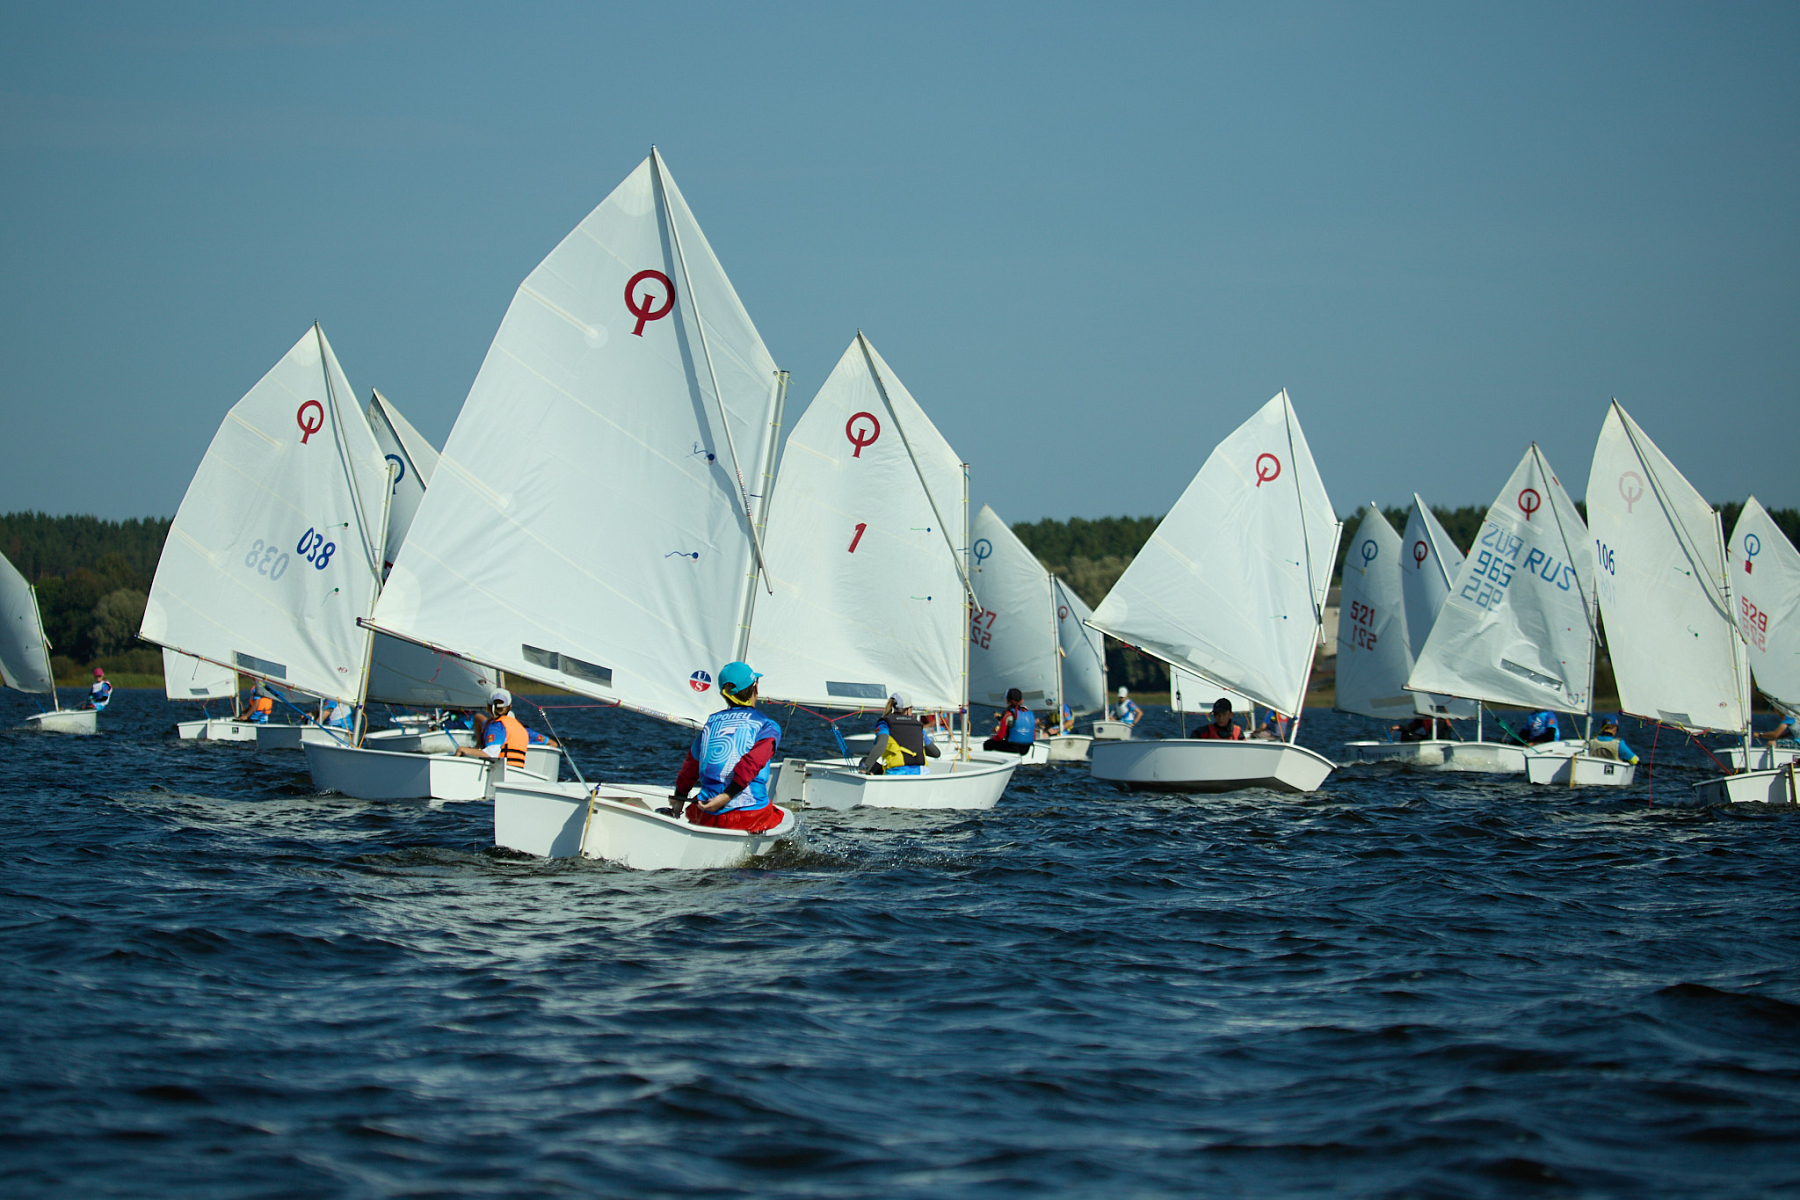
731,756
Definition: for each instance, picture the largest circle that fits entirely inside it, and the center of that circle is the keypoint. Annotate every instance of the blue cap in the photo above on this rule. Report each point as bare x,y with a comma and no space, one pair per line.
737,677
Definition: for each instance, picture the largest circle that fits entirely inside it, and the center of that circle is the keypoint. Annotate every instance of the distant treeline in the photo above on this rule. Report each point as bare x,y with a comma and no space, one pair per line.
93,579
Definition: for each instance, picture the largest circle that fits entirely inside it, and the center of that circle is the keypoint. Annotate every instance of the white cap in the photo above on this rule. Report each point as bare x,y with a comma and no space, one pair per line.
898,699
1121,691
500,698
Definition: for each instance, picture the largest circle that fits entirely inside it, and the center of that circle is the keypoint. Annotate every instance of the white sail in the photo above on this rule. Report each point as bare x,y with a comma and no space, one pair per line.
869,597
1768,604
412,461
1083,650
1665,599
275,552
1013,639
1429,563
587,522
1517,627
24,661
188,678
1233,582
1191,693
1373,656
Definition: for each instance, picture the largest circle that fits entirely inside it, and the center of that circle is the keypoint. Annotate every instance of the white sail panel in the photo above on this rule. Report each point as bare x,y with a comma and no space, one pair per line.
1517,627
1429,563
275,552
403,672
1013,637
1083,650
1373,657
1191,693
585,524
24,663
868,595
1232,583
1665,599
188,678
412,460
1765,572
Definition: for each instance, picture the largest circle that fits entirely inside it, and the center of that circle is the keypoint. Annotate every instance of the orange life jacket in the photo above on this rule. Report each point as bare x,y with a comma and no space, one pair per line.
513,751
263,705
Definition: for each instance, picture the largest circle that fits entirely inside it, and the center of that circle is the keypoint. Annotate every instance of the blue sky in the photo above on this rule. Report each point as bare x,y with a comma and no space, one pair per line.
1090,238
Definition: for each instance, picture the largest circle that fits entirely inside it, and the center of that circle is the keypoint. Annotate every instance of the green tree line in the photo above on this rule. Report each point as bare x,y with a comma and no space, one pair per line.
93,580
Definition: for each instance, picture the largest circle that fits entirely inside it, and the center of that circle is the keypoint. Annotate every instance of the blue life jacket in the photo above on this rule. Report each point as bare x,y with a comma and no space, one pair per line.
1023,729
724,739
100,694
1540,723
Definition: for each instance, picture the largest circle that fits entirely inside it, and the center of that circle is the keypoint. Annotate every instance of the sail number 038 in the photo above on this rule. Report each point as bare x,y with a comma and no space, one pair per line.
266,558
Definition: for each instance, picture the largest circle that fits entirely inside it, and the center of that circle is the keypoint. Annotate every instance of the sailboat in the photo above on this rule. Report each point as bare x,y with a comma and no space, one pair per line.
1666,600
869,591
189,679
25,656
1517,626
608,545
1015,641
1083,666
1232,587
1374,655
1768,616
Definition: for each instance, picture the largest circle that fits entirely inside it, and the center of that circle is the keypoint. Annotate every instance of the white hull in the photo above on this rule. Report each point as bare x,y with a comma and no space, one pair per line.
1069,747
1762,758
1589,771
65,720
1494,758
837,784
1417,754
216,729
1777,786
553,820
293,737
1111,731
367,774
1037,756
1194,765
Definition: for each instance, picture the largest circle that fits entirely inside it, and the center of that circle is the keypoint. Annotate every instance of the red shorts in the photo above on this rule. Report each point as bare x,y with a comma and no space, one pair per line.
750,820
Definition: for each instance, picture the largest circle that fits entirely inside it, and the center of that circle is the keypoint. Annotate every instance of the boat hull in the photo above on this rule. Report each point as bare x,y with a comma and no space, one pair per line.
836,783
293,737
366,774
65,720
216,729
1195,765
1069,747
1416,754
1762,758
553,820
1588,770
1111,731
1774,786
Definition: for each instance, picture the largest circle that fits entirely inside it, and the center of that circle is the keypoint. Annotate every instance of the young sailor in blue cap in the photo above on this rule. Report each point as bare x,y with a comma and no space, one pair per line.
729,760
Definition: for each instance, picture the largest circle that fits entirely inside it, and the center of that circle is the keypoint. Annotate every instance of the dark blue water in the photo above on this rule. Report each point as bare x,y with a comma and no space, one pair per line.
217,984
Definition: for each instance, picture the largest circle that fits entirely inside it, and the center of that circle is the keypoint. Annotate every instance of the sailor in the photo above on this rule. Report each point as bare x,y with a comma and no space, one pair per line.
1419,729
1221,727
1610,745
501,735
1129,712
1782,735
1065,722
1016,728
1541,727
729,761
901,743
336,715
261,706
1272,729
99,695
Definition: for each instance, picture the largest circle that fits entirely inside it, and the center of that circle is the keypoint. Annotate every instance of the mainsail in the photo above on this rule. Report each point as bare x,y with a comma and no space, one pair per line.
589,522
24,657
1429,563
1373,657
270,562
1768,604
188,678
1665,597
1013,639
411,460
869,593
1232,584
1517,627
1084,652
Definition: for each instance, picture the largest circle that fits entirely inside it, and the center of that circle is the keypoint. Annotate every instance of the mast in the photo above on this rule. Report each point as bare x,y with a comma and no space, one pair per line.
968,594
362,688
662,191
1312,587
1056,647
762,510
